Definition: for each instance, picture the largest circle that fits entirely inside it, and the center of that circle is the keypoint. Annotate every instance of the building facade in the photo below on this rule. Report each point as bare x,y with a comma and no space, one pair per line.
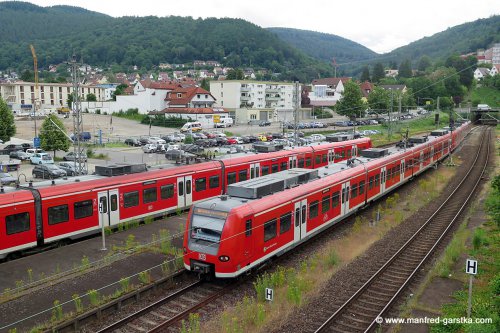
20,96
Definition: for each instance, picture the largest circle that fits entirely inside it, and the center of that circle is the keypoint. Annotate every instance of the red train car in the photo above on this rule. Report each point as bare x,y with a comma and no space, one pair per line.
229,235
46,213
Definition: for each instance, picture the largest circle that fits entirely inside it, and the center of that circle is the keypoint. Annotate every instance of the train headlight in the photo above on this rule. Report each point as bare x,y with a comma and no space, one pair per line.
224,258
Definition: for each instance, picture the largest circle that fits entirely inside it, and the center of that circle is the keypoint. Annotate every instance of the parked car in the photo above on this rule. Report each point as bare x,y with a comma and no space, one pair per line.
41,158
32,151
265,123
249,138
232,141
149,148
20,155
262,137
221,140
318,137
26,146
132,142
71,156
48,171
6,178
12,147
156,140
144,141
70,169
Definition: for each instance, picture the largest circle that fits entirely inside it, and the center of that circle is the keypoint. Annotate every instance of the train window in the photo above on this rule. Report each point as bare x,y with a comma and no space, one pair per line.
181,188
370,183
313,209
103,202
149,195
188,186
303,214
361,187
301,162
265,170
343,195
348,153
377,180
213,182
270,230
83,209
17,223
114,202
167,191
285,222
335,199
274,168
283,166
248,228
252,173
324,158
131,199
389,173
58,214
354,190
318,159
297,217
257,174
200,184
231,178
308,162
325,204
242,175
342,154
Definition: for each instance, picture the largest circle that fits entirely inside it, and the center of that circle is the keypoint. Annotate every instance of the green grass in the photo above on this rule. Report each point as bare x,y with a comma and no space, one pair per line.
486,95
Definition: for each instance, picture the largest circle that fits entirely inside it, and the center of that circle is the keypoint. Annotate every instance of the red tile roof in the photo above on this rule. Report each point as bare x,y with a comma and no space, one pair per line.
189,110
187,95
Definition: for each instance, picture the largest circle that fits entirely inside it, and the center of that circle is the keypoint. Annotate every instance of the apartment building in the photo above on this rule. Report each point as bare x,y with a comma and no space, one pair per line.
20,96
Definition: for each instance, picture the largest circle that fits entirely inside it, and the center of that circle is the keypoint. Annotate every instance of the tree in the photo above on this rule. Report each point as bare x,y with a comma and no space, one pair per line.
27,76
119,90
424,63
91,98
365,75
235,74
52,136
7,126
405,69
205,84
379,99
378,72
351,104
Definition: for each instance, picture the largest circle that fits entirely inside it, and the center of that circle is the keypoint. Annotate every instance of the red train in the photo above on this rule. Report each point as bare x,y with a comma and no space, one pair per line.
229,235
44,213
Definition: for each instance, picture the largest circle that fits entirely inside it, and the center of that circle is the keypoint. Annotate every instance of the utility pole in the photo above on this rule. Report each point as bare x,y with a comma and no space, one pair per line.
297,105
35,100
78,148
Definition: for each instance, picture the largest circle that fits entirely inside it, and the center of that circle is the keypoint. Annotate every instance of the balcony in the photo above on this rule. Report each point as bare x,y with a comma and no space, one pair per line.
244,89
245,98
272,90
273,97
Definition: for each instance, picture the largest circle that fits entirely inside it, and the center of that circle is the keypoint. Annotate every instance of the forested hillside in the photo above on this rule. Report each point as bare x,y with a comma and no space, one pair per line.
101,40
324,46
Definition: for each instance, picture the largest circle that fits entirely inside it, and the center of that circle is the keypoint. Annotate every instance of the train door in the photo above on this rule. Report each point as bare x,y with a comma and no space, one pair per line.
254,170
383,178
344,208
248,241
421,160
354,151
402,170
184,191
292,162
300,214
331,156
109,212
432,158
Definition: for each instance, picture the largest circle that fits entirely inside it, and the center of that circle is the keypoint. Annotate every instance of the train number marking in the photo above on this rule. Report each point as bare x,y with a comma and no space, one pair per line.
202,256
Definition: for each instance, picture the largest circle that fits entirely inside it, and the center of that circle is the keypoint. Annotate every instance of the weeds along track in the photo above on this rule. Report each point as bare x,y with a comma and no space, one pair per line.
362,311
165,314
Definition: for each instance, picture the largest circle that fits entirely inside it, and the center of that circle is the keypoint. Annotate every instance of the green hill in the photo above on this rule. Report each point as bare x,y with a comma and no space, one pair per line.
57,32
324,46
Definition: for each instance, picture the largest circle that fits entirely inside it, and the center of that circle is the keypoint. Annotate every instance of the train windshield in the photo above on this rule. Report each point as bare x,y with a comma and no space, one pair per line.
205,228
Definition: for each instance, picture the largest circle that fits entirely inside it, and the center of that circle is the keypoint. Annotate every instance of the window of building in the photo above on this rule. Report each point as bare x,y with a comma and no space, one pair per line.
200,184
313,209
83,209
270,230
243,175
285,222
17,223
231,178
167,191
131,199
58,214
325,204
149,195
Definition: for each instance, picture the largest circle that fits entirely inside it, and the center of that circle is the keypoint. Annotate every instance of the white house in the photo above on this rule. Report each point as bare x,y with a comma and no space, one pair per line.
327,91
495,70
480,73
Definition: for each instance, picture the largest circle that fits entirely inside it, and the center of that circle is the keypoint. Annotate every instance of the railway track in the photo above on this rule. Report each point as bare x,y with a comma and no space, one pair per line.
364,311
165,314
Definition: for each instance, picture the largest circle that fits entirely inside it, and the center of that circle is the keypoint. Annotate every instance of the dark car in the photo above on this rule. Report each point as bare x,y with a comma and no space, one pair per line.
26,146
202,143
132,142
144,141
249,138
48,171
265,123
20,155
221,140
70,169
9,148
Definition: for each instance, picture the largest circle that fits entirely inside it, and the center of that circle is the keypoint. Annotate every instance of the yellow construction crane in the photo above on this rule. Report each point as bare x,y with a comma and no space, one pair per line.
35,65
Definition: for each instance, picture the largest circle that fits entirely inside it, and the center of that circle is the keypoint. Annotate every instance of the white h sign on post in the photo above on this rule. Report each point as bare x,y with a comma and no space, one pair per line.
470,268
269,294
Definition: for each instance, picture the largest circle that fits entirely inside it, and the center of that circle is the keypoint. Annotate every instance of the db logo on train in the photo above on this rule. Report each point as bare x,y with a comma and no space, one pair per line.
202,256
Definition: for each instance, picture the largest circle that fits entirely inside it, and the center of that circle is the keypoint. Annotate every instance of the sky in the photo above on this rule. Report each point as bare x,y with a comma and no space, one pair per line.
381,25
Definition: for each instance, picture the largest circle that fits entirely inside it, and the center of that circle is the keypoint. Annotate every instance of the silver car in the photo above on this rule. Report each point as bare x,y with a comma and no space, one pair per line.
6,178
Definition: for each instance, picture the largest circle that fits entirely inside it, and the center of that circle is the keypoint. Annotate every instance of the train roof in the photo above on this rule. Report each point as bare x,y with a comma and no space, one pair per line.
12,195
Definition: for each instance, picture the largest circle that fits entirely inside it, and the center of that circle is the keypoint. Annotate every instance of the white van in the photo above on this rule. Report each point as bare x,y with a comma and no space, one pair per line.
224,122
191,127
